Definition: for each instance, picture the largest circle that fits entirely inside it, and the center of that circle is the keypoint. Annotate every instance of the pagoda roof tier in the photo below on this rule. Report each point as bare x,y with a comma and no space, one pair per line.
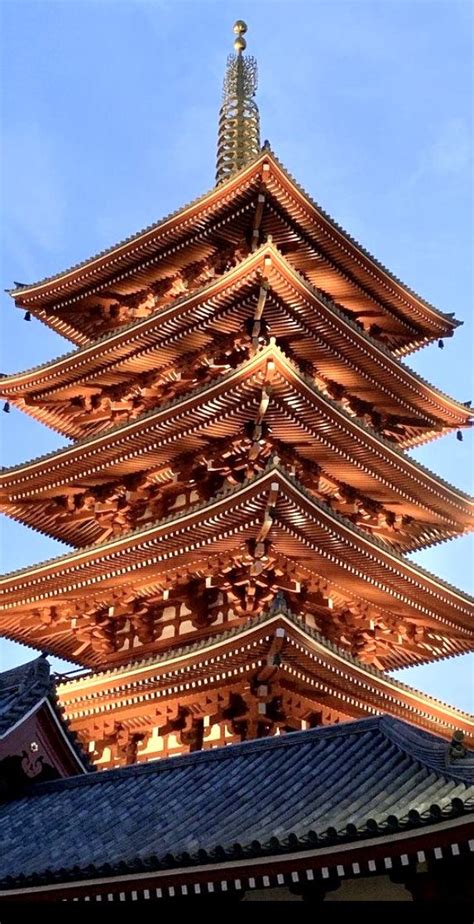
299,811
318,334
308,665
271,508
297,414
331,258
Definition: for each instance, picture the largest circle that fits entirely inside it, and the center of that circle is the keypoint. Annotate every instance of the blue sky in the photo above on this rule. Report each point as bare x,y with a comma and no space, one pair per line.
109,115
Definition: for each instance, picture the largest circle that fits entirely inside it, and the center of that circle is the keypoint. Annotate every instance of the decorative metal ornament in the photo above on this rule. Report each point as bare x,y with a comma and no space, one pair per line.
239,120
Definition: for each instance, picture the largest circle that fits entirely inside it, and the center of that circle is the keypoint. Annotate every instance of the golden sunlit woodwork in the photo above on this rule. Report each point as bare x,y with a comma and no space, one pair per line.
237,497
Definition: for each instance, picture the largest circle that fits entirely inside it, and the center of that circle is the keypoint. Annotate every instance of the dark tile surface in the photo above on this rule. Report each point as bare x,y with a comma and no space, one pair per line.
21,688
358,772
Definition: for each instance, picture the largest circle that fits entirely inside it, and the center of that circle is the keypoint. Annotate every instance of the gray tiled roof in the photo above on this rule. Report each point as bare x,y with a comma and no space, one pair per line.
373,775
21,689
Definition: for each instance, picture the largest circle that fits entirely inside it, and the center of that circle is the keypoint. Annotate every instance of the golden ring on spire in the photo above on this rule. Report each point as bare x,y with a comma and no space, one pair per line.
239,127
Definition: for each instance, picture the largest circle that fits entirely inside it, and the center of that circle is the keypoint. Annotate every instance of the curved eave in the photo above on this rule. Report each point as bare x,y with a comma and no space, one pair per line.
118,344
367,271
85,273
203,409
361,564
399,372
122,342
368,685
364,265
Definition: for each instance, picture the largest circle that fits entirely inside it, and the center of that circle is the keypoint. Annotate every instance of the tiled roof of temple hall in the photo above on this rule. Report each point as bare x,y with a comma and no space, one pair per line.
23,690
342,783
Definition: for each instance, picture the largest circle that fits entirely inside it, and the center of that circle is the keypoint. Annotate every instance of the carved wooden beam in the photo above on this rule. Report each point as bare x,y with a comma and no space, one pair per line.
257,221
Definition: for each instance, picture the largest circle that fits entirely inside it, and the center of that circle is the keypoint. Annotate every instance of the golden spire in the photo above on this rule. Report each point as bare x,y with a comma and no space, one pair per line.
239,122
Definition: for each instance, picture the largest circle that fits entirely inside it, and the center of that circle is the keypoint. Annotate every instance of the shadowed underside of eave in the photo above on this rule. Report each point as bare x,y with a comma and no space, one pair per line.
268,175
308,662
316,330
297,414
271,508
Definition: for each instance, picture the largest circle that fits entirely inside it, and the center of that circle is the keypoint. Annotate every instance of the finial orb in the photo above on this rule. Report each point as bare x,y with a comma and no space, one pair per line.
240,44
240,27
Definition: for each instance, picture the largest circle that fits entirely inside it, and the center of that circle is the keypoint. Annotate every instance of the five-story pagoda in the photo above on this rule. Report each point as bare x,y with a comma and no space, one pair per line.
238,496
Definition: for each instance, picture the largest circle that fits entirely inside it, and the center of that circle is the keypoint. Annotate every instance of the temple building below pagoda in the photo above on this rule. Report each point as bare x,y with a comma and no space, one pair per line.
366,810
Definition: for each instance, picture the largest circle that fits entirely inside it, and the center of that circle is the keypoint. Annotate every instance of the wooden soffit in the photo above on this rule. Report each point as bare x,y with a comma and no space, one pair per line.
326,236
326,336
307,663
271,506
298,414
